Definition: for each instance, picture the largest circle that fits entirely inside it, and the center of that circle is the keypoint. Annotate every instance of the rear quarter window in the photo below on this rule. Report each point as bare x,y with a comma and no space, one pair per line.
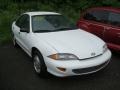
98,16
114,19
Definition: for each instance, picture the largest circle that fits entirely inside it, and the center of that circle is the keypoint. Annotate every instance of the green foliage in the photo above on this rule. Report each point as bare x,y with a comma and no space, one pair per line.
10,9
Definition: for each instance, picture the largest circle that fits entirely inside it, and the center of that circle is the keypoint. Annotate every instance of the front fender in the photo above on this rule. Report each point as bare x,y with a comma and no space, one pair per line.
43,46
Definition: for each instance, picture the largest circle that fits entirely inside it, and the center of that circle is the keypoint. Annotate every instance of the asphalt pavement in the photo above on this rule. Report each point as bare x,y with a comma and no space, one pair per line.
16,73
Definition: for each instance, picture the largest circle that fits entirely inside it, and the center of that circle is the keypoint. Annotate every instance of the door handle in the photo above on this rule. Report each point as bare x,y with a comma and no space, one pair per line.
18,32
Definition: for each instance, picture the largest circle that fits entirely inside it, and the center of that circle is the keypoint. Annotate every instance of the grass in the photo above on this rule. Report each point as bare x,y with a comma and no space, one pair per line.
5,27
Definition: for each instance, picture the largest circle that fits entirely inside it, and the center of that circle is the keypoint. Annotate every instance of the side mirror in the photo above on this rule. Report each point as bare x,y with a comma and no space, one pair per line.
24,30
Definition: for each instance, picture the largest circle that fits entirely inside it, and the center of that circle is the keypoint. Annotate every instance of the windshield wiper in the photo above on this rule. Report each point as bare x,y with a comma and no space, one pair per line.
65,28
42,31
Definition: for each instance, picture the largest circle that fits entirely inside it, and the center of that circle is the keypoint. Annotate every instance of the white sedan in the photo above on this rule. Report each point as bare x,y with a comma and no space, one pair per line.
57,46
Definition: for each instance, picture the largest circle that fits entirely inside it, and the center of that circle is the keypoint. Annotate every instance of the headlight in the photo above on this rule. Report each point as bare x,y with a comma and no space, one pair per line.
105,48
63,56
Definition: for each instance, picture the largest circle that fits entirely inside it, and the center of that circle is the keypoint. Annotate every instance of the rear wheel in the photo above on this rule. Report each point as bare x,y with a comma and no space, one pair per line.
14,41
38,63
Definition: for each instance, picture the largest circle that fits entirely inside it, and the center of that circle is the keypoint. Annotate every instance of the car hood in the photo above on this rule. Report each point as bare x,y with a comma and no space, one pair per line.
78,42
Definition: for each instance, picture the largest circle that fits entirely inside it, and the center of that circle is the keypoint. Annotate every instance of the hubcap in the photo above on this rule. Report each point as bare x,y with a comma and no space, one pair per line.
37,64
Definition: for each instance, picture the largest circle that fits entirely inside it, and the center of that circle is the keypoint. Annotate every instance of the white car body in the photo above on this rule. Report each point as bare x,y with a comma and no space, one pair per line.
87,47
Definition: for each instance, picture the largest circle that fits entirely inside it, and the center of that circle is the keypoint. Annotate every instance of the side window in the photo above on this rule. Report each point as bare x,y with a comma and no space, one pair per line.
98,16
23,22
114,19
20,20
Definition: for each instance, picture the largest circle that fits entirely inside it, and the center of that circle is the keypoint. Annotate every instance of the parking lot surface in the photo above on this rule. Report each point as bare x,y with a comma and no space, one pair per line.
16,73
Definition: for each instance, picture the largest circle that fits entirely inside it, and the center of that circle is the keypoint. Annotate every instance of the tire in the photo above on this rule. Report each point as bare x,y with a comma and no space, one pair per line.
39,64
14,41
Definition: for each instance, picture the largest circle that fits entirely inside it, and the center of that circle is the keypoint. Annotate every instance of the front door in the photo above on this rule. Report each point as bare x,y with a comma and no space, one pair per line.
23,37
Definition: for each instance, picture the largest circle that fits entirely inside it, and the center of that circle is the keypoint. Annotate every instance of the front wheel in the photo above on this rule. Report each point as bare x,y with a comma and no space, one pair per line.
38,63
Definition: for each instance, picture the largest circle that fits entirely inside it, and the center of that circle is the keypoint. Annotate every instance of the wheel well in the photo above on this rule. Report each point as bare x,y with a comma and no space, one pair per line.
33,50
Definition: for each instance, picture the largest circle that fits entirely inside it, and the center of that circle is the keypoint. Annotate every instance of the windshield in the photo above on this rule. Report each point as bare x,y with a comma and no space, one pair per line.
51,23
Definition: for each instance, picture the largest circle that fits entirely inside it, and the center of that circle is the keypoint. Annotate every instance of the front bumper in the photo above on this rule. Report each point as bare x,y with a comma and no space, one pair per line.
77,67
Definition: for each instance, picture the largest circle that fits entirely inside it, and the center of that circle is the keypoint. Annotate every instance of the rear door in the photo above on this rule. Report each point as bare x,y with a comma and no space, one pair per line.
112,33
96,21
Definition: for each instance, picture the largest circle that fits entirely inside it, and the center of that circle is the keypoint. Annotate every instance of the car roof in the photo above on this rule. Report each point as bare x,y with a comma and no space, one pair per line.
113,9
41,13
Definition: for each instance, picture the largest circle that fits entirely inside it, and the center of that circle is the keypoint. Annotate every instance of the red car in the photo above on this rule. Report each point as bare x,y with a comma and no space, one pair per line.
103,22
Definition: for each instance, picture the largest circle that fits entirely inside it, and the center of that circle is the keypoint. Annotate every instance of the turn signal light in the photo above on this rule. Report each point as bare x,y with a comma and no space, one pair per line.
61,69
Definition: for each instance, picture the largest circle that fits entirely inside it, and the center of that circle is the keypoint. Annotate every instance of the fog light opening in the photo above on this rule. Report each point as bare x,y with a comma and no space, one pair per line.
61,69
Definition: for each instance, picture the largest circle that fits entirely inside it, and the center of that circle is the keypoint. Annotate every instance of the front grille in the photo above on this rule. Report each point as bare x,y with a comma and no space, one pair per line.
90,69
